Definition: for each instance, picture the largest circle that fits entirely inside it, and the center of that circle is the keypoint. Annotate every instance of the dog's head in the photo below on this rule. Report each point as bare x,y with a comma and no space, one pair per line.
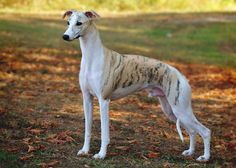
78,23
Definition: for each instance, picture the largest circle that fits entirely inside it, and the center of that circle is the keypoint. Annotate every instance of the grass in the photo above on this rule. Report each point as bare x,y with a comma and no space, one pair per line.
9,160
39,90
197,41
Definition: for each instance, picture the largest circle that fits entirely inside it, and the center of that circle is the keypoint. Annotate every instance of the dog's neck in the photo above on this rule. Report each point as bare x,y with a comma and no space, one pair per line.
91,44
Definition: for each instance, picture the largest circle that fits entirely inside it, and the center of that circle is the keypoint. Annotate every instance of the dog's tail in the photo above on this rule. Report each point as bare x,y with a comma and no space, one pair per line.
179,130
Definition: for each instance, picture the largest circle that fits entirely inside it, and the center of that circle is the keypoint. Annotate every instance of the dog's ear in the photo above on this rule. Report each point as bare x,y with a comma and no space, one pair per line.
92,15
67,13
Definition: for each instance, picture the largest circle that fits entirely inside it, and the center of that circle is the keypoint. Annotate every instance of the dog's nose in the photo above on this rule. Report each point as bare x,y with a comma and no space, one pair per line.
66,37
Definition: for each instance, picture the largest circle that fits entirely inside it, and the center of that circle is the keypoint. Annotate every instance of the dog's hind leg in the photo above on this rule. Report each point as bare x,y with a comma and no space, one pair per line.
193,126
166,108
169,113
192,143
206,136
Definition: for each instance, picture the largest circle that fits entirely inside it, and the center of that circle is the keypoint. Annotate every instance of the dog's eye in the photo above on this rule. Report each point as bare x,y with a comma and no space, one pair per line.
78,23
68,23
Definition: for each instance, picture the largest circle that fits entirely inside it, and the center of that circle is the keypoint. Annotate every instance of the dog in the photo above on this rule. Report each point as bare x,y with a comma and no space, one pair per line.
109,75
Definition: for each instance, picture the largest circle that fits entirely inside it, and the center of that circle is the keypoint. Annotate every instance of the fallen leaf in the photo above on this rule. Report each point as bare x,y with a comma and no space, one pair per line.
142,156
2,110
113,154
65,136
133,141
41,147
26,140
232,145
152,155
26,157
56,141
13,149
61,137
50,136
30,149
29,110
50,164
36,131
53,163
87,166
166,134
124,148
218,146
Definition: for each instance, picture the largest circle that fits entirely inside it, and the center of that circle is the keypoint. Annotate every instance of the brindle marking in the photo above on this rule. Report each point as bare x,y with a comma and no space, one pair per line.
129,70
177,96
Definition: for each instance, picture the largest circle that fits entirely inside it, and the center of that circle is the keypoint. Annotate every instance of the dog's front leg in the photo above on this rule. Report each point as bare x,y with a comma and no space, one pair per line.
88,114
105,137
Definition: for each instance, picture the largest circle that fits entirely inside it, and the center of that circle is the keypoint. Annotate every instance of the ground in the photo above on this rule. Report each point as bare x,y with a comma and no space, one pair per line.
41,112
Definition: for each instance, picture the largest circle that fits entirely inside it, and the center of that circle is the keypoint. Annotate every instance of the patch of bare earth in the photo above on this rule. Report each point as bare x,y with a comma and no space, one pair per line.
42,115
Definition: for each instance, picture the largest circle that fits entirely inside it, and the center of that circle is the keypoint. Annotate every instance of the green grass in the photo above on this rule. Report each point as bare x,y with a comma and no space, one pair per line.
197,43
34,33
8,160
183,41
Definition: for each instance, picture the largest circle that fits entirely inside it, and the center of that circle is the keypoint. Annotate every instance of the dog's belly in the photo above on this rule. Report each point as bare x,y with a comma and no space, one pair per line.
122,92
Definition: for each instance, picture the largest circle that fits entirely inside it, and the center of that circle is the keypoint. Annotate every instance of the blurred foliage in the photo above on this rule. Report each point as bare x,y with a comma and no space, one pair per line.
118,5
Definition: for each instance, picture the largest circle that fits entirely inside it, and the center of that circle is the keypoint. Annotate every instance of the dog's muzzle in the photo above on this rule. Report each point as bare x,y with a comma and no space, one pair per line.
66,37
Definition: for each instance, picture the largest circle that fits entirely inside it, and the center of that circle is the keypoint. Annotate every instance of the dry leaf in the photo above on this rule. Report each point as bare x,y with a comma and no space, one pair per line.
218,146
232,145
26,157
50,164
13,149
133,141
50,136
36,131
166,134
29,110
53,163
152,155
41,147
30,149
124,148
61,137
26,140
142,156
56,141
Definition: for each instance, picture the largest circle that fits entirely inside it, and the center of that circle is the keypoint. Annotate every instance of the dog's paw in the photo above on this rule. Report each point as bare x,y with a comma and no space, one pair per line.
187,152
203,158
99,156
82,152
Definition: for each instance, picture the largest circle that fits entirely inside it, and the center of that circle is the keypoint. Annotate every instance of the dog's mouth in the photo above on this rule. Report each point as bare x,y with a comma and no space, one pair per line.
78,36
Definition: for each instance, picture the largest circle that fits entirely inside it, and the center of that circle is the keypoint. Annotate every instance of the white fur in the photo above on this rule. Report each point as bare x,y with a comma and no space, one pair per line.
179,130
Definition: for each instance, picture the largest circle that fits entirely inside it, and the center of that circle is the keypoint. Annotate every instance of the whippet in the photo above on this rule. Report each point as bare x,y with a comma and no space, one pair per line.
109,75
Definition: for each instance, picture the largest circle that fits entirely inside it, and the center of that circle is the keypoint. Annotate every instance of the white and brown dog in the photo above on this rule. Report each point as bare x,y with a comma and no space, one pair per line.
109,75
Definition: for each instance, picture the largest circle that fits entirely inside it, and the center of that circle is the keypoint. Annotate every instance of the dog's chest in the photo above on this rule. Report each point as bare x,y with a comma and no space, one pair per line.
90,81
